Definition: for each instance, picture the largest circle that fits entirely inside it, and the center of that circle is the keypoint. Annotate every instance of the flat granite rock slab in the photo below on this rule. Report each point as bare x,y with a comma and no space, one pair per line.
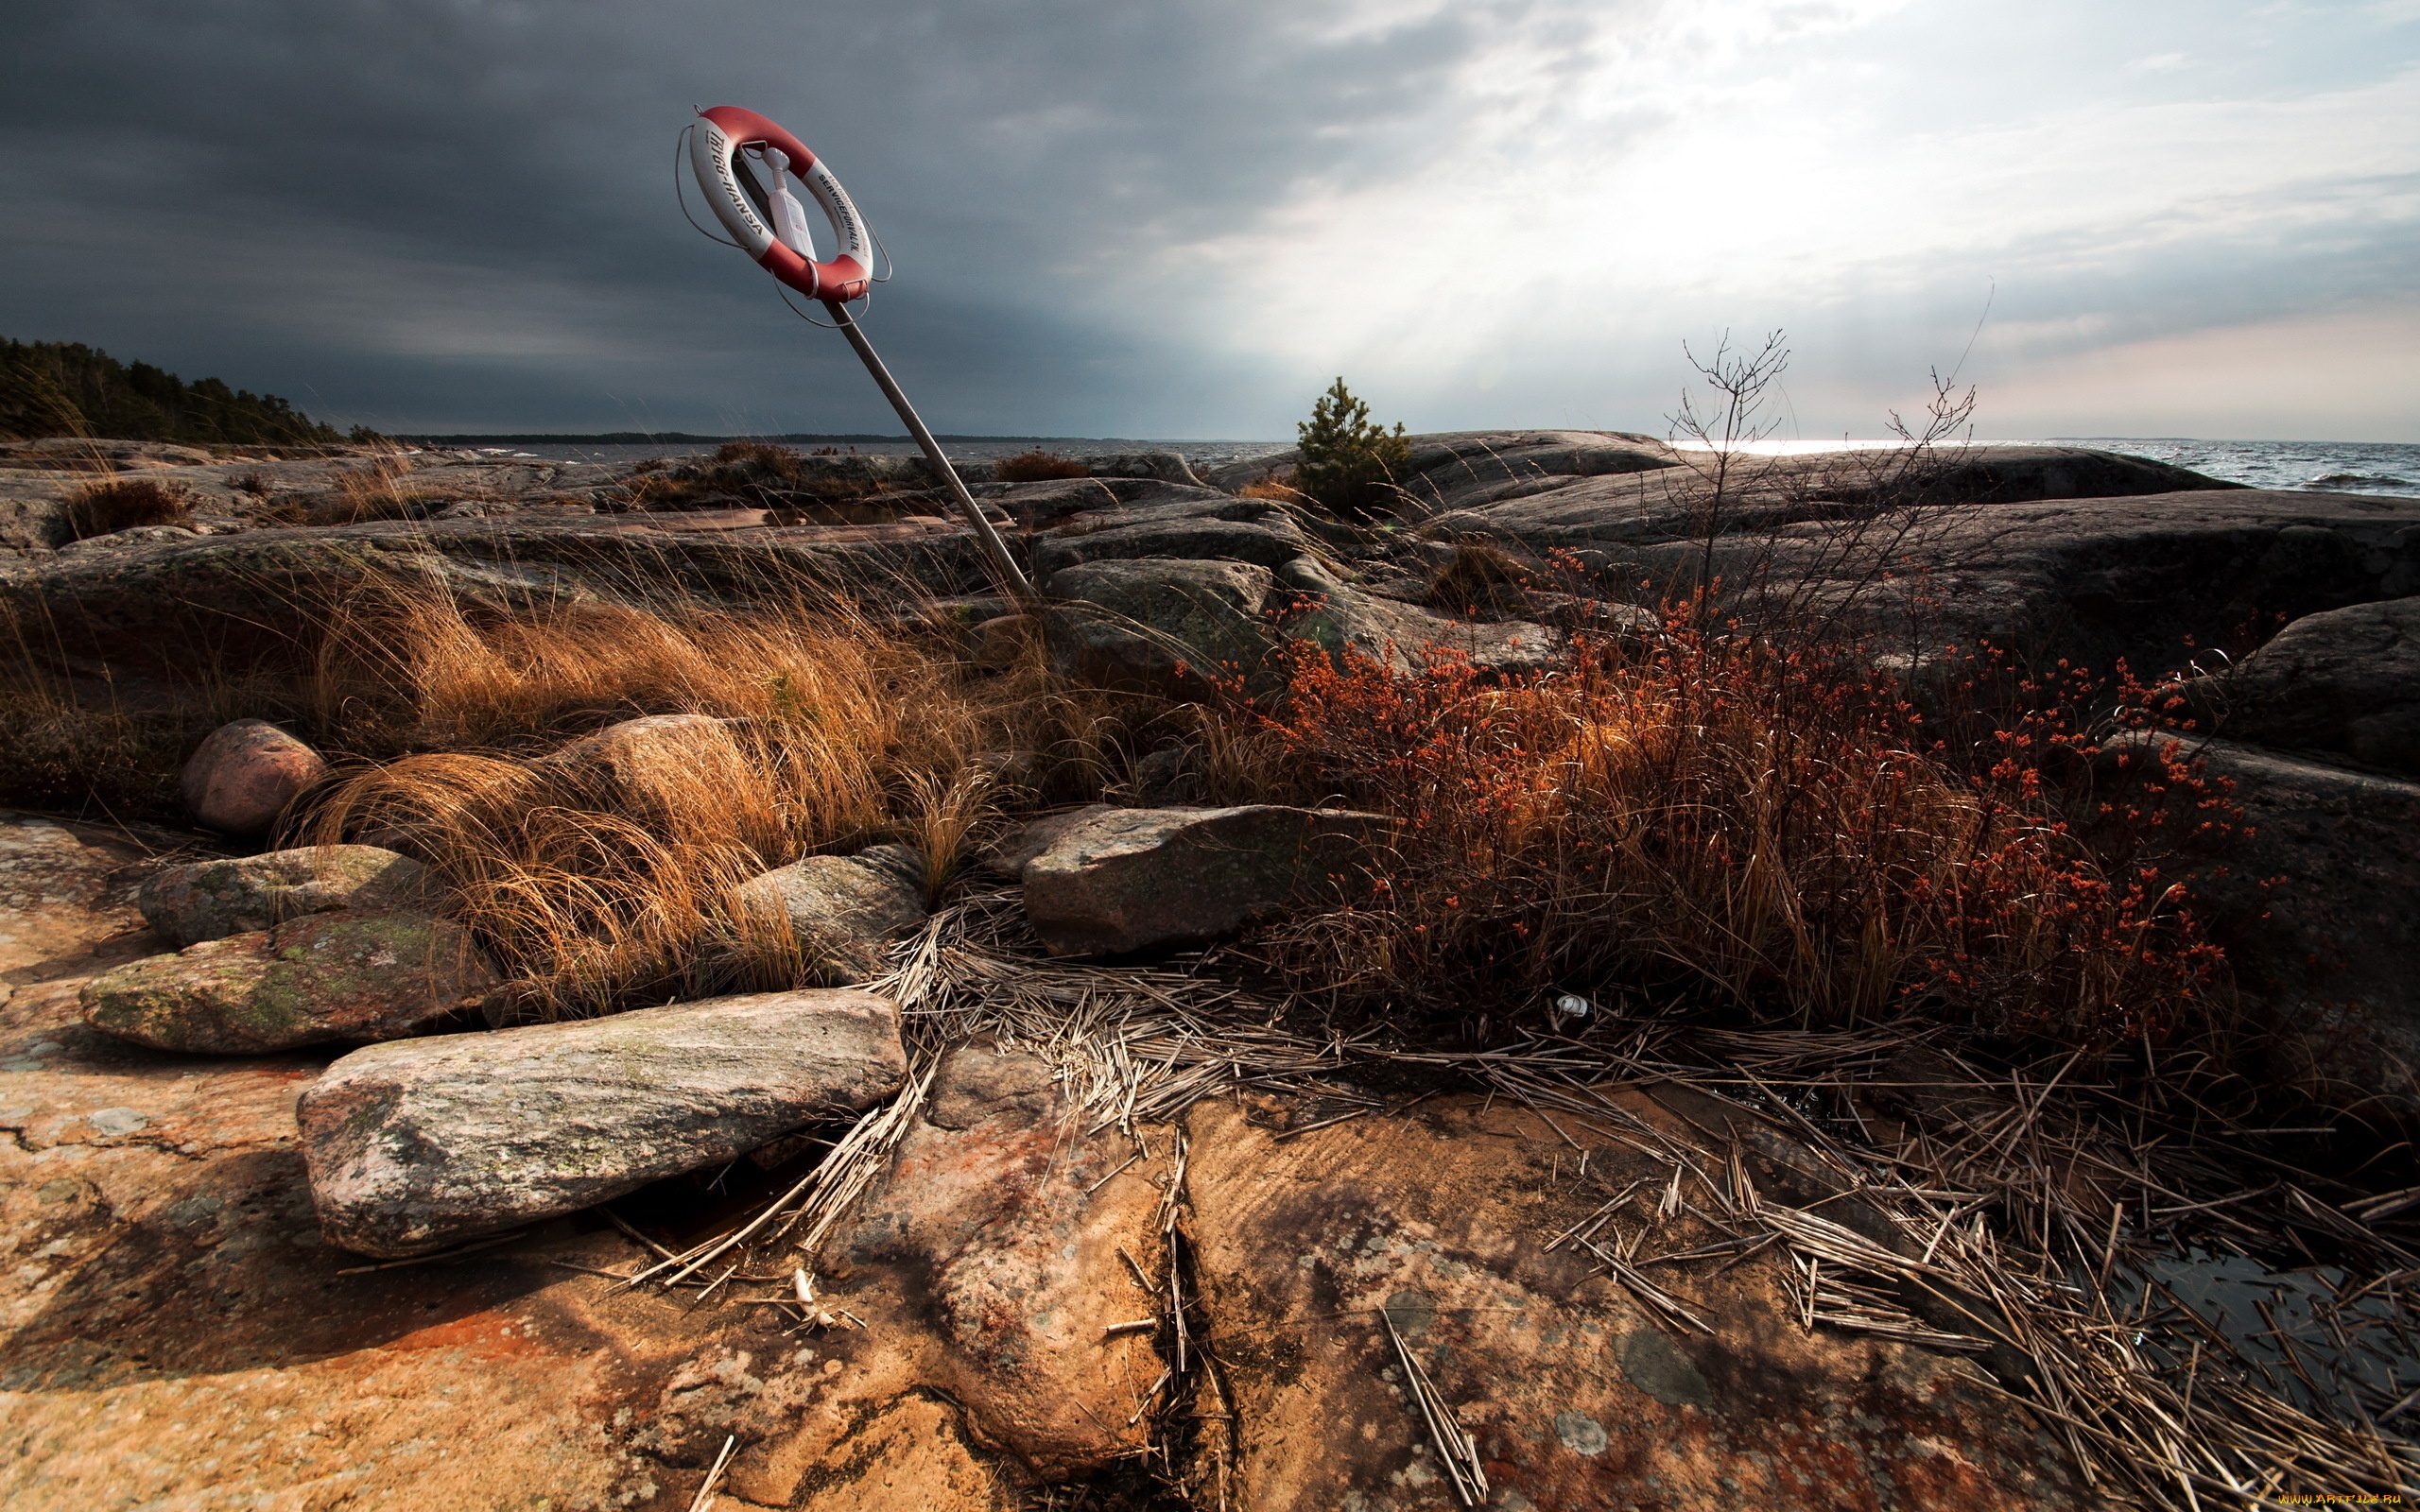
417,1144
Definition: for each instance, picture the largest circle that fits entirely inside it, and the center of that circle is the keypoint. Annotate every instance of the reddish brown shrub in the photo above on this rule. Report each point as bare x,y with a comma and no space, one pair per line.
761,459
1716,822
122,503
1036,466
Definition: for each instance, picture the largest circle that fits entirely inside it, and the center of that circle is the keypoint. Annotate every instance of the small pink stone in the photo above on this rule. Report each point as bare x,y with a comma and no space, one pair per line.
246,774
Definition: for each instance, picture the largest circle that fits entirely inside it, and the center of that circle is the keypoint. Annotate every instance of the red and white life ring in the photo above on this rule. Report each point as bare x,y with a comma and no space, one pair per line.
783,249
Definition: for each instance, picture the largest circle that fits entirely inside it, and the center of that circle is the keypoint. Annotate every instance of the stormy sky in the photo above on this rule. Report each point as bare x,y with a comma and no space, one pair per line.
1181,218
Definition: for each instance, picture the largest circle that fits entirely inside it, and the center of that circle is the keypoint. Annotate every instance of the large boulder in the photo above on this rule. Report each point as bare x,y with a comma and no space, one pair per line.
1109,881
1546,498
2315,906
245,774
211,899
1024,1244
844,911
1158,625
324,978
1450,468
1173,533
1404,637
416,1145
2344,684
2148,576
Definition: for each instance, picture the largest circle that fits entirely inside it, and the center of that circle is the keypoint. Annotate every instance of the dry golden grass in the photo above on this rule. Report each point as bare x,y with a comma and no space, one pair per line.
1036,466
1704,822
602,872
1477,578
375,492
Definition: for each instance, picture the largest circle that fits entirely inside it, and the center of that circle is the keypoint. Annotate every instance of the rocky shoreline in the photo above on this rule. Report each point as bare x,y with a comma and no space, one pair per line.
1050,1274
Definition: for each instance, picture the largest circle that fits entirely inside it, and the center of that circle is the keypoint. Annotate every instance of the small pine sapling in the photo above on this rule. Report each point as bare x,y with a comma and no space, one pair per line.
1349,462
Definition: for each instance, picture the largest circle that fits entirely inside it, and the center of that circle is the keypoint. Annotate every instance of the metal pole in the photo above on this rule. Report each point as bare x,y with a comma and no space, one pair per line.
1012,577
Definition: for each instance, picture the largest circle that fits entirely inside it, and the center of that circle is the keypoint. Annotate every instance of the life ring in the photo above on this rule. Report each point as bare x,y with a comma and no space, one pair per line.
745,199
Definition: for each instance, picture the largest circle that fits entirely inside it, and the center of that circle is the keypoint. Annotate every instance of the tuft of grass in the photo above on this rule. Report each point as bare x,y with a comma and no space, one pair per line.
756,475
122,504
59,755
375,492
1477,580
402,666
1036,466
759,460
606,879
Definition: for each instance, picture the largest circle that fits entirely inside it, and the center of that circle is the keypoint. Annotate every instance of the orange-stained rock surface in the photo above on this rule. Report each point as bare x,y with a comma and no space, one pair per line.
1580,1397
174,1335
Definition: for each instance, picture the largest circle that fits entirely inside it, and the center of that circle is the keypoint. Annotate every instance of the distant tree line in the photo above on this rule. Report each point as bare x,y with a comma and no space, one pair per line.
67,388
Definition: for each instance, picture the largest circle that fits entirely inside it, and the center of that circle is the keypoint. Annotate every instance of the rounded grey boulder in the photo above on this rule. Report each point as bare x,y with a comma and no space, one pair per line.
1104,881
1158,625
2343,684
316,980
843,910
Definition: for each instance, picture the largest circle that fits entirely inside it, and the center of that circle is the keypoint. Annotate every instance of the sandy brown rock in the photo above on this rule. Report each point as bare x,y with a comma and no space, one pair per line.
242,778
210,899
174,1333
420,1145
316,980
1579,1398
63,893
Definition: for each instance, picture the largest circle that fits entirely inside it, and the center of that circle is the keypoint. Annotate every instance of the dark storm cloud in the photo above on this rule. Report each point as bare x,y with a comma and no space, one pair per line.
1181,218
439,214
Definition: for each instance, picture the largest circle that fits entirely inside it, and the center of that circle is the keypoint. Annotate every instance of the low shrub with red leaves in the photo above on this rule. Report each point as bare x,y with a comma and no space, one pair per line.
1037,466
1749,832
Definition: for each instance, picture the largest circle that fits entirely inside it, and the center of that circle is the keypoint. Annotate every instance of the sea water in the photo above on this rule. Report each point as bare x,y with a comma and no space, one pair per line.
2334,467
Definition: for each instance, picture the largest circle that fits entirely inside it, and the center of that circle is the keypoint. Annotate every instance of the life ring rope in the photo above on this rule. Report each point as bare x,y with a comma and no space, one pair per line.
726,135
